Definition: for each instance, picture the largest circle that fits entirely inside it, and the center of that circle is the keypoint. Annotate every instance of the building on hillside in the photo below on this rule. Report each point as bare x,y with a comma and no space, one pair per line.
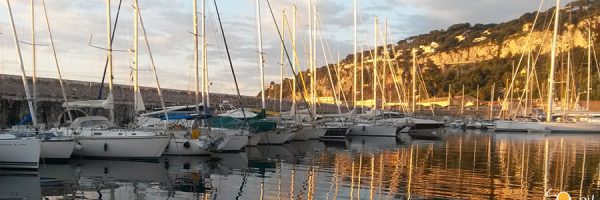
455,101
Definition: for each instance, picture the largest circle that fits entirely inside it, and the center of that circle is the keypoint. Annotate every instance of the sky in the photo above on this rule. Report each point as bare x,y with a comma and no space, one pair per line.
79,31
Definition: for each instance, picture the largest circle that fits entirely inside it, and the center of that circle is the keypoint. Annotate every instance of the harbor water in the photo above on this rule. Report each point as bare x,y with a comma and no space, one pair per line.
469,164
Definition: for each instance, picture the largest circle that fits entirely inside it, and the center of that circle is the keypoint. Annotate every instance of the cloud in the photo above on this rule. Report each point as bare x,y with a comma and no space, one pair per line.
169,24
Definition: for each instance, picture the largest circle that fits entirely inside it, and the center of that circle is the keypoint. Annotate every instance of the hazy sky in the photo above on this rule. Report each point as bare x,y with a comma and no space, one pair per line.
78,23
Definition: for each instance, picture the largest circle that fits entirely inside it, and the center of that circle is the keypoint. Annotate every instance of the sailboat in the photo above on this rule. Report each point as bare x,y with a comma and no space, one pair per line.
99,137
53,145
20,152
551,125
280,134
368,124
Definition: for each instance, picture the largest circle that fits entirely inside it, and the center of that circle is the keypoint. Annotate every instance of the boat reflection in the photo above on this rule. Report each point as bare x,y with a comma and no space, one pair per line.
463,165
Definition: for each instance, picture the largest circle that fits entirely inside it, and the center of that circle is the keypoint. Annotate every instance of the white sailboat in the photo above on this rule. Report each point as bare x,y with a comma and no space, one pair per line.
98,137
278,136
563,126
20,152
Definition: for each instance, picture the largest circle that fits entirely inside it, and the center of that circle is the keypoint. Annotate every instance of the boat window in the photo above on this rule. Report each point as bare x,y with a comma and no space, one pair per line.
97,133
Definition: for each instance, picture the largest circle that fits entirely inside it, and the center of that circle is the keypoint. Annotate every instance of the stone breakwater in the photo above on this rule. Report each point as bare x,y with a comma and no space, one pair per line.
13,104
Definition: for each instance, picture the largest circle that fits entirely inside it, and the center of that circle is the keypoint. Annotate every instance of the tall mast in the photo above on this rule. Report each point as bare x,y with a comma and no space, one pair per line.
23,74
462,103
355,54
362,80
567,101
136,87
196,66
552,63
384,76
375,66
295,55
450,96
492,101
33,61
281,62
260,55
477,96
314,57
109,57
414,80
60,79
205,82
527,82
589,68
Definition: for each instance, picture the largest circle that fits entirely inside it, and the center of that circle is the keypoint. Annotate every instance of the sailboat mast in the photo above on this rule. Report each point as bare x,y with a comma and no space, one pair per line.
477,97
375,65
384,76
414,80
295,55
108,56
552,63
60,79
136,87
23,74
492,101
260,55
205,82
33,61
196,66
314,57
589,68
362,80
281,62
355,56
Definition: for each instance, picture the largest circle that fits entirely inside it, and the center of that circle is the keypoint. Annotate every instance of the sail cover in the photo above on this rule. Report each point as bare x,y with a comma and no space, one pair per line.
107,103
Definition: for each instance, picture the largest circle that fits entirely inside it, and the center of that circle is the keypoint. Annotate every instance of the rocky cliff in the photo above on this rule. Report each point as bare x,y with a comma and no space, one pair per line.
474,56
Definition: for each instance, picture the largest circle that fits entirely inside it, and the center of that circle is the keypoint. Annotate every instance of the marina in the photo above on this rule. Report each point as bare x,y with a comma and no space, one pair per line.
500,166
503,110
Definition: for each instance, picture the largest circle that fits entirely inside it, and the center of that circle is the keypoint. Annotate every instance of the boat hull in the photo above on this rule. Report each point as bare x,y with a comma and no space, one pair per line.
231,143
335,133
122,147
186,147
276,137
373,130
20,153
303,134
572,127
57,149
254,138
515,126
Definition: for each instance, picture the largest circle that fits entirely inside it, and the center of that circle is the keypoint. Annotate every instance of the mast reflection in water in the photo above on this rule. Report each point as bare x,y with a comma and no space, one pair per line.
464,165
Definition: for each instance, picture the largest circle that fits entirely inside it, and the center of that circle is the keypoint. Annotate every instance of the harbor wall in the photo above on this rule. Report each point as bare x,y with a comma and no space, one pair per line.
13,104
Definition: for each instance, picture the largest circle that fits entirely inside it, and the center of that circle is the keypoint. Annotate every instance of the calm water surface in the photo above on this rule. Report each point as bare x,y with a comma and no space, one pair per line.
464,165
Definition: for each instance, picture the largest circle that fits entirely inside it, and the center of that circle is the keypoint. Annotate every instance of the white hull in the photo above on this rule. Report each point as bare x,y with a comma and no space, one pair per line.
254,138
20,153
293,132
57,149
123,147
303,134
276,137
318,133
228,139
373,130
186,147
233,143
516,126
555,127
